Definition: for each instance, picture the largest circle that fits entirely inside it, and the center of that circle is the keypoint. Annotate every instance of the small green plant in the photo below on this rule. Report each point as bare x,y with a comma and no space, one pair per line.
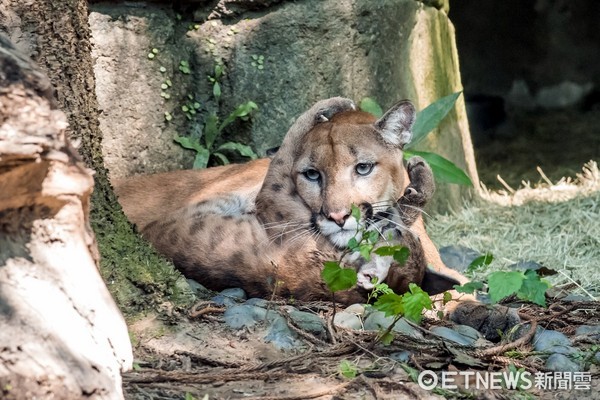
526,285
348,369
213,128
184,67
427,120
258,61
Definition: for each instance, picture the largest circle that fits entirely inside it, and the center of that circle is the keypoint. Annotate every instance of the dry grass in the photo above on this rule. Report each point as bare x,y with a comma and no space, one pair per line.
557,225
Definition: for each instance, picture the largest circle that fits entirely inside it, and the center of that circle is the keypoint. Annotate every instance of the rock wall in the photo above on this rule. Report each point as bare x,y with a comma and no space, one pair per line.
284,58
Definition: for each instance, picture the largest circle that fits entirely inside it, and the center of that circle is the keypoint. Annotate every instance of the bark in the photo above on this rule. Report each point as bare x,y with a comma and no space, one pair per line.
56,35
62,335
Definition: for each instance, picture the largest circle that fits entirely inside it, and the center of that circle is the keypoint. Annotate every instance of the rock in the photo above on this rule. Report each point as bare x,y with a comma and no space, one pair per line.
377,321
593,331
280,334
453,335
467,331
242,316
401,356
458,257
552,342
255,301
487,319
524,265
575,297
358,309
308,321
198,289
345,319
560,362
229,297
597,358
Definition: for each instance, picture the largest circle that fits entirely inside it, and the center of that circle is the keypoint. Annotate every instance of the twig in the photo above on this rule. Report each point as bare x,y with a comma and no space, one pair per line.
332,391
496,350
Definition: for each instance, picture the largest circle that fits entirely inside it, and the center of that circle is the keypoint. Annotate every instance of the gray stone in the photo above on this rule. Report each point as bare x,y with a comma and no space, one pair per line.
198,289
552,342
308,321
401,356
560,362
597,358
458,257
593,331
229,297
467,331
255,301
358,309
377,321
575,297
280,334
244,316
345,319
524,265
452,335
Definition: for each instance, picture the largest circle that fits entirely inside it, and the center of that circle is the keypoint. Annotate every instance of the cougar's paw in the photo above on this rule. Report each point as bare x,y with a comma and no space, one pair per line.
326,109
422,185
490,320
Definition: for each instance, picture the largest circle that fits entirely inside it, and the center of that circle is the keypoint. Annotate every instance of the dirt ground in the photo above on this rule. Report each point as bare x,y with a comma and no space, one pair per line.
200,357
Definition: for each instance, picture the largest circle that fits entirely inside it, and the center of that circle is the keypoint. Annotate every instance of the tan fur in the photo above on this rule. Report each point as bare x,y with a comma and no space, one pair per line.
251,225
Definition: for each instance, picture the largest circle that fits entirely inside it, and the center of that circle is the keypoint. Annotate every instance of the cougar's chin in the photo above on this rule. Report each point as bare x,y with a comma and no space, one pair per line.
340,235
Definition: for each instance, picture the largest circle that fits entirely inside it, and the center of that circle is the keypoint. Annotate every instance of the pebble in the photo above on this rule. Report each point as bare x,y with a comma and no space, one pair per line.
240,316
593,331
198,289
280,335
229,297
401,356
255,301
560,362
453,335
553,342
524,265
377,321
308,321
458,257
358,309
348,320
575,297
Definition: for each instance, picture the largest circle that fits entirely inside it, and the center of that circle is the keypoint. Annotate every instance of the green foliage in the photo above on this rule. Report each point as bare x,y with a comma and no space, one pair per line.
258,62
348,369
526,286
411,304
480,262
337,278
426,121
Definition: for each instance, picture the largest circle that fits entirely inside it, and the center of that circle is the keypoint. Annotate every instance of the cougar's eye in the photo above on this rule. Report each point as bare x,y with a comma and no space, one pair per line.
312,174
364,168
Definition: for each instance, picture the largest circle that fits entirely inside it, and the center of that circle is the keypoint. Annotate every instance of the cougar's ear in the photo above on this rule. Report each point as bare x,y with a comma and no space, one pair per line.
396,125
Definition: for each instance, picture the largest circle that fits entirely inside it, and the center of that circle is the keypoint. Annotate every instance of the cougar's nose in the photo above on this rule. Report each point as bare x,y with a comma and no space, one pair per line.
339,217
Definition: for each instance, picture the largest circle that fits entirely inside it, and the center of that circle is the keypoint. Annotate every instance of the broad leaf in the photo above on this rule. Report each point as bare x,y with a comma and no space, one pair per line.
369,105
210,130
430,117
469,287
348,369
387,250
415,301
481,261
243,149
201,160
390,304
188,143
533,288
443,170
217,90
242,111
401,256
502,284
447,298
224,160
355,212
337,278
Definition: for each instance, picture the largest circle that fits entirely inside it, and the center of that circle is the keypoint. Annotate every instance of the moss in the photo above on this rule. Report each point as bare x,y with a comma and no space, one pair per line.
137,276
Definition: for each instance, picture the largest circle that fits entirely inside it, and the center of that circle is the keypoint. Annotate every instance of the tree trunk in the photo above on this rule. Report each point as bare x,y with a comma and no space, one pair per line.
62,335
56,35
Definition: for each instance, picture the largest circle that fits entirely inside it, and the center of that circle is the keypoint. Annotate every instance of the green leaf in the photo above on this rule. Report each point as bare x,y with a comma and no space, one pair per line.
353,244
390,304
469,287
241,111
502,284
224,160
217,90
401,256
443,170
337,278
415,301
218,71
201,160
447,298
372,236
430,117
243,149
481,261
533,288
371,106
188,142
386,250
355,212
348,369
387,338
210,130
365,250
